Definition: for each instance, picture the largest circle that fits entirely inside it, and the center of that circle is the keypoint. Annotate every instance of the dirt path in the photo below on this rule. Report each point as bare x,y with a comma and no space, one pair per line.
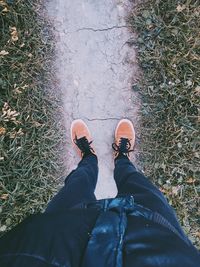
96,69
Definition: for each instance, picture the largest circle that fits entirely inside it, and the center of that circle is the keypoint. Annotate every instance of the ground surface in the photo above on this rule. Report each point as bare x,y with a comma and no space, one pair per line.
31,117
96,69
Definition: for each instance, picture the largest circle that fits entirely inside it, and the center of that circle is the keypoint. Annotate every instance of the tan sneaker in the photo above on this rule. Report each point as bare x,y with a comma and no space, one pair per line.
81,138
124,138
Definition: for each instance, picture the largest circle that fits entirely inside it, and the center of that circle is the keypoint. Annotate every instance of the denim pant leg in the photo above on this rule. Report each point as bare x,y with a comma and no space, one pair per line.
131,182
79,186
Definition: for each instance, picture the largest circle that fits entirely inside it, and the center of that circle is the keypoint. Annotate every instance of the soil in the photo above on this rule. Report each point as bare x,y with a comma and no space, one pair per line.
96,68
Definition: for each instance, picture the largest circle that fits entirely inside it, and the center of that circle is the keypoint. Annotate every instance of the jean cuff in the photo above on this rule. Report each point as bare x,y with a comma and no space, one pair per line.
121,156
89,157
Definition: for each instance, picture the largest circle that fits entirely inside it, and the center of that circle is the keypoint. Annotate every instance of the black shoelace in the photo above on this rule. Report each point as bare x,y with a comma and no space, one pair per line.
84,145
123,147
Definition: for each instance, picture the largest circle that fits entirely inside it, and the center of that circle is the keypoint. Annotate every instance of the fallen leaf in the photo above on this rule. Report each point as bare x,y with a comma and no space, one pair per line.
8,114
175,190
12,135
14,34
5,106
4,53
191,180
22,45
180,8
2,3
2,130
20,132
5,10
197,234
37,124
197,90
4,196
19,90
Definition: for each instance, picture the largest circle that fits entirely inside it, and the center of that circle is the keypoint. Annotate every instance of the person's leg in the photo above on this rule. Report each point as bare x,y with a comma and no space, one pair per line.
79,186
132,182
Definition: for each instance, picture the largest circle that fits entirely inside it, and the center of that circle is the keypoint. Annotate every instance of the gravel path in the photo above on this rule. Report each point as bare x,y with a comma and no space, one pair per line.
96,68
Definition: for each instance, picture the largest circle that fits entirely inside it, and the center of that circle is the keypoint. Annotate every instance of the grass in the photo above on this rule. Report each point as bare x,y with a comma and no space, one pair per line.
29,136
168,45
30,132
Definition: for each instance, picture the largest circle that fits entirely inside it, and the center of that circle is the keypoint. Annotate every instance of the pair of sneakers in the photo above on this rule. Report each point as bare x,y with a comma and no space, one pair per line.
123,144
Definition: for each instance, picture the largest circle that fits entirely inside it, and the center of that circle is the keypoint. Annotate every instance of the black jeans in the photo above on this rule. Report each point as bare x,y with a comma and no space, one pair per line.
80,185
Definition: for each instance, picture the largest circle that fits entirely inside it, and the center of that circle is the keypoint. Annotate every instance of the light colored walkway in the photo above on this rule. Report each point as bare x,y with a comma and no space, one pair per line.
96,69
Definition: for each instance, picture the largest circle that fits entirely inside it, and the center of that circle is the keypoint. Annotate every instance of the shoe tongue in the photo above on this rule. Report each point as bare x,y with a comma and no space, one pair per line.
82,138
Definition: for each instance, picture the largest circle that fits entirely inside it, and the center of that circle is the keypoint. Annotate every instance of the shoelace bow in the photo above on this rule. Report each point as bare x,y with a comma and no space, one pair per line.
123,147
83,145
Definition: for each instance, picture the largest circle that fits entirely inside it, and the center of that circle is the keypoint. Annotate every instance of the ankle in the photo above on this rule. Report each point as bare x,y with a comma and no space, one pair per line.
121,156
89,154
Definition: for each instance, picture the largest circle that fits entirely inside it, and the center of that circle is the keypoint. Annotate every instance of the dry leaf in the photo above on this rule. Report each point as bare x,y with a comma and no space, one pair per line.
5,10
2,130
197,234
14,34
5,6
180,8
19,90
197,90
3,3
8,114
37,124
4,53
191,180
20,132
12,135
15,133
175,190
4,196
22,45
